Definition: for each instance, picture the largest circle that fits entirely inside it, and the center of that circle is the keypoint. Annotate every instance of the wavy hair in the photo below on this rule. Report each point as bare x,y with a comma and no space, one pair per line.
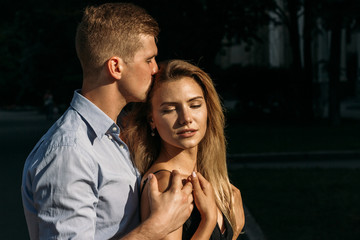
211,157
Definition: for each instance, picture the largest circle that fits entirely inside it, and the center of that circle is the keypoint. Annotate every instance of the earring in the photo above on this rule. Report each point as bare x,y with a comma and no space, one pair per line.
152,132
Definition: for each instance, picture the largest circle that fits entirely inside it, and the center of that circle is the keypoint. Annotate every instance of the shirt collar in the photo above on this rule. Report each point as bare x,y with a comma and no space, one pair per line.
96,118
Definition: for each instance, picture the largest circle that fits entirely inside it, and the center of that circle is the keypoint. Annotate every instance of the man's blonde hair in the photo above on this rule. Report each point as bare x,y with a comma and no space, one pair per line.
111,29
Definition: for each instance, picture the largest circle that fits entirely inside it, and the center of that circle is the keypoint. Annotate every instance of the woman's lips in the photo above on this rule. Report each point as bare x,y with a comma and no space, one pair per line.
187,132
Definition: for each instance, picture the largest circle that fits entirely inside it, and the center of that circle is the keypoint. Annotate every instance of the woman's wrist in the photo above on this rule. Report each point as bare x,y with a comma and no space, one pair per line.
210,216
209,220
205,229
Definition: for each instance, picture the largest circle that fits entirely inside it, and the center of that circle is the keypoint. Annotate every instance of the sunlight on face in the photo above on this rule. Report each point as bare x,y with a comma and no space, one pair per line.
137,74
179,113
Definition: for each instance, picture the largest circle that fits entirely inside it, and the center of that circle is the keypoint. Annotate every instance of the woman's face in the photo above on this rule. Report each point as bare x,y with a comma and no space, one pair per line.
179,113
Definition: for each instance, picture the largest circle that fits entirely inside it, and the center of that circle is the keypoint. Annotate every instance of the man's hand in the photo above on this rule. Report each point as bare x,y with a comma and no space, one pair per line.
171,208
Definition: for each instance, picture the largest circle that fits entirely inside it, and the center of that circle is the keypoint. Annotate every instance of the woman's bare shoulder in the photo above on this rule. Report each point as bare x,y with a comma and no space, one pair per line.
163,177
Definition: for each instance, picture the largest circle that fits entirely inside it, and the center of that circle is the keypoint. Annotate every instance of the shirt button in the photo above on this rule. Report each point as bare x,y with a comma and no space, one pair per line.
121,146
114,129
110,137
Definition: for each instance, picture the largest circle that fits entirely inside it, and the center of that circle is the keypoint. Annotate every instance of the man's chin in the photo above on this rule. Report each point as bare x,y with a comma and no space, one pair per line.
138,100
142,99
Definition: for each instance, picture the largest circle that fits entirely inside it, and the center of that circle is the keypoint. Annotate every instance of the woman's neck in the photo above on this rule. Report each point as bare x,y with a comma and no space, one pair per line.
182,160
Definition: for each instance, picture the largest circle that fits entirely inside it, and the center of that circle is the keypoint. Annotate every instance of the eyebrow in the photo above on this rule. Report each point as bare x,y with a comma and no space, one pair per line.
153,56
190,100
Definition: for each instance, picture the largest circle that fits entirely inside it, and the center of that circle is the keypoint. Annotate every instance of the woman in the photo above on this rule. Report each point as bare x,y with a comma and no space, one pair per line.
181,127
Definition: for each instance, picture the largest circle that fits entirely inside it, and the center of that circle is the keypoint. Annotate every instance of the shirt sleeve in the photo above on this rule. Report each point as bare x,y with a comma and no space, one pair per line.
66,195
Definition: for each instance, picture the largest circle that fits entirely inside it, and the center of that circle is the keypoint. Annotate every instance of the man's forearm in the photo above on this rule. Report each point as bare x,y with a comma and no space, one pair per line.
150,229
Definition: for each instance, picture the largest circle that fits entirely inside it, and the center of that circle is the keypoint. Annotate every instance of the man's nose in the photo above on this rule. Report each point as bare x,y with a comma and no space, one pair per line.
155,68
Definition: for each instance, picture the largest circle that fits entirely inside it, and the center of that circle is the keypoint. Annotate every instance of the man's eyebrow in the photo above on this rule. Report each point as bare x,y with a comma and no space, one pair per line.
150,58
190,100
153,56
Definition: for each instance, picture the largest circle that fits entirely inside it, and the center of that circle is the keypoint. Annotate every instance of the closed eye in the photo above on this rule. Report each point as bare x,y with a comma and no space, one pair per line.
149,60
196,106
168,110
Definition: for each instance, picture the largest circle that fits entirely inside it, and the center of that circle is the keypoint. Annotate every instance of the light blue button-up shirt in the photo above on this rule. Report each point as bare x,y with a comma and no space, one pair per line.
78,181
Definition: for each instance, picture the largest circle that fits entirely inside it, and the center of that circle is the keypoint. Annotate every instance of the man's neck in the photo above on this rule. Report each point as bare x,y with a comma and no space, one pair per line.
105,97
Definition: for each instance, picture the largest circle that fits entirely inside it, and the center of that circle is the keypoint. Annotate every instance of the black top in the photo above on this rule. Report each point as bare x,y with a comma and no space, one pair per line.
192,223
190,226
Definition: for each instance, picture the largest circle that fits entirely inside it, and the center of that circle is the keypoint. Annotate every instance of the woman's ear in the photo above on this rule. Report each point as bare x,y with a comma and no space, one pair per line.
151,122
115,67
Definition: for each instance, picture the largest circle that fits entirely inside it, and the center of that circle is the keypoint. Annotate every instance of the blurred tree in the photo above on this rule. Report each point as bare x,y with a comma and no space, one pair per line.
37,49
195,29
308,82
337,15
288,14
37,39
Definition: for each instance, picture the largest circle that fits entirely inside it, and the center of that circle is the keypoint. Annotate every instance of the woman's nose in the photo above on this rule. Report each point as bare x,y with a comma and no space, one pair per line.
185,117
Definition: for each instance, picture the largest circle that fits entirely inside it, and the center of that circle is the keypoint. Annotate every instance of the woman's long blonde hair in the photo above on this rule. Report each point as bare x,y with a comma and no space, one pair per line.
211,159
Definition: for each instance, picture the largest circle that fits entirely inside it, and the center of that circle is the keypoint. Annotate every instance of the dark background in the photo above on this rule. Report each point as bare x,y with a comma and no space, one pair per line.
274,118
37,51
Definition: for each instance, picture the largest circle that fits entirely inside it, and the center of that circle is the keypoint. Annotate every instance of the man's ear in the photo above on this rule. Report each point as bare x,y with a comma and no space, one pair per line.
115,66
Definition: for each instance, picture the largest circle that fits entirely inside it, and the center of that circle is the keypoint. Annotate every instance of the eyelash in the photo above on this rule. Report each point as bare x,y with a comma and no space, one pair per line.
196,106
170,110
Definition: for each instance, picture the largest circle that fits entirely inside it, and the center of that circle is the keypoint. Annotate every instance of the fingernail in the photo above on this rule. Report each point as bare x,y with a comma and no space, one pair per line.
194,174
150,176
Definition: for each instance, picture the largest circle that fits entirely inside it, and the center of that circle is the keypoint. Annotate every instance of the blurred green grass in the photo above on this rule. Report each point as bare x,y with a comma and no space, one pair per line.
302,204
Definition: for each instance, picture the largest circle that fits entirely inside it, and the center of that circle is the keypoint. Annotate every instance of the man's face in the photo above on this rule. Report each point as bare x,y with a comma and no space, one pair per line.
137,74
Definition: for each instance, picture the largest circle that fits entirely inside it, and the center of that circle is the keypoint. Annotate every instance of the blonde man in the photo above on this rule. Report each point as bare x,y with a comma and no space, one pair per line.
79,181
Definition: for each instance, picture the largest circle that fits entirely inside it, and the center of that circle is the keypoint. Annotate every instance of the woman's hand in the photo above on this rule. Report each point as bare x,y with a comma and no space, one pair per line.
204,198
238,211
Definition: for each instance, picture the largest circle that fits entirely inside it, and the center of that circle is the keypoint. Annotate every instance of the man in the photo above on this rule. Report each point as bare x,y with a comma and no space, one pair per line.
79,181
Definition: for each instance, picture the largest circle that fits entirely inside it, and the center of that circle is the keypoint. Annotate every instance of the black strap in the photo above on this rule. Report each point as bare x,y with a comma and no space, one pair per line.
145,181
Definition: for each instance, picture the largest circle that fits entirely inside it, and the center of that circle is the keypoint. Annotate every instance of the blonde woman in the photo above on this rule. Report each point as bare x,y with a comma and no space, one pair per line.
181,127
